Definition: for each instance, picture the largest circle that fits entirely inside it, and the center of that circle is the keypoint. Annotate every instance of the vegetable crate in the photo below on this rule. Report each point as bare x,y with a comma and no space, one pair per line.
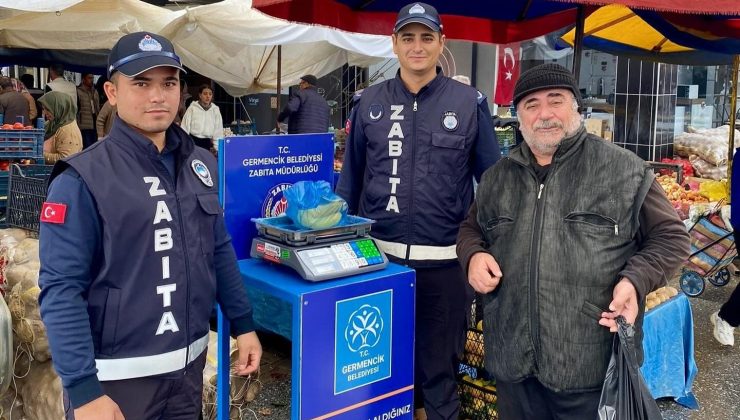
26,195
712,250
16,144
477,388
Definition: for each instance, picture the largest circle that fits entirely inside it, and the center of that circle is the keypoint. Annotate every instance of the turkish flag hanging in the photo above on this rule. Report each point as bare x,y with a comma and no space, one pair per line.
508,73
53,212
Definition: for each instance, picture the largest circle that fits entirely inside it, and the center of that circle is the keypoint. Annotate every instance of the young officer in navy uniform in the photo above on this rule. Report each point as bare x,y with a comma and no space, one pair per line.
414,146
134,253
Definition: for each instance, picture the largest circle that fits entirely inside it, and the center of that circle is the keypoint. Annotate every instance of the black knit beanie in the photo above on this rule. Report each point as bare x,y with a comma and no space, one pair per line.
545,76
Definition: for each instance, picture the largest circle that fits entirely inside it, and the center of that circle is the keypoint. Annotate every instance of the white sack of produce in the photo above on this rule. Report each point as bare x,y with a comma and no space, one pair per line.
709,143
15,233
11,406
27,274
708,170
711,149
6,347
41,391
243,389
27,250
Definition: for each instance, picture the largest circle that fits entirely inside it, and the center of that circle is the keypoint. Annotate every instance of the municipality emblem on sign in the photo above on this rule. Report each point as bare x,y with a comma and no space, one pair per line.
449,121
149,44
275,202
364,328
201,170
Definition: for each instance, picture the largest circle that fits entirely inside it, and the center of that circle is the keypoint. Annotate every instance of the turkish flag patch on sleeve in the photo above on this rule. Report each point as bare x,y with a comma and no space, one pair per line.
53,212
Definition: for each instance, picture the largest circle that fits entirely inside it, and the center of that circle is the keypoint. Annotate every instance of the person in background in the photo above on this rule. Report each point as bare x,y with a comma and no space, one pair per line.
20,86
101,91
13,104
60,84
567,233
135,253
105,119
185,100
89,107
727,318
306,111
29,83
63,136
203,119
414,146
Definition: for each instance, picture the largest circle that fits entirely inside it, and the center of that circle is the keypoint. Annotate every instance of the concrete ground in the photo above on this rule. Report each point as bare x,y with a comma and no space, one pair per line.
717,385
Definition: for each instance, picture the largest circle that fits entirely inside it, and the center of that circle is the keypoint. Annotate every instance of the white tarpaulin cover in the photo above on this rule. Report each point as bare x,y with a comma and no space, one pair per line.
89,24
38,5
235,45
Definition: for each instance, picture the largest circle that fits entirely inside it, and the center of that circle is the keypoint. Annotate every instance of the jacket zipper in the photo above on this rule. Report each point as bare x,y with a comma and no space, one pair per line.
534,252
413,166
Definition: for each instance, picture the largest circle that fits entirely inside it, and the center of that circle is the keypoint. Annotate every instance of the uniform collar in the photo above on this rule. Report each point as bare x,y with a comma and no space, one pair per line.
431,85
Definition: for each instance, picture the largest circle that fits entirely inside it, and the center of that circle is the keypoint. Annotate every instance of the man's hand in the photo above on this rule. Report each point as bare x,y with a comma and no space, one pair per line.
484,273
250,353
624,302
101,408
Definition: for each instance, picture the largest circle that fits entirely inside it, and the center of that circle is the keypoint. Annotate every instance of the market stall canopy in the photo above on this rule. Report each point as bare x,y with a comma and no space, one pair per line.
235,45
89,24
619,30
471,20
38,5
708,7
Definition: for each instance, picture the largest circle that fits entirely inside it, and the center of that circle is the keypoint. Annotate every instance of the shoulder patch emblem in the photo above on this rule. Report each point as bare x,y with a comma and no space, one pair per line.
375,112
449,121
201,171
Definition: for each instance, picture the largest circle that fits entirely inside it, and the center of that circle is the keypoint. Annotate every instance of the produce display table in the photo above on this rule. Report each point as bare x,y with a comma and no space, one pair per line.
352,342
669,368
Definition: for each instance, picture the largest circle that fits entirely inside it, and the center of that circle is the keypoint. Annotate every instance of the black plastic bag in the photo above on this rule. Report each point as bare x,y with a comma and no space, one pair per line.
624,395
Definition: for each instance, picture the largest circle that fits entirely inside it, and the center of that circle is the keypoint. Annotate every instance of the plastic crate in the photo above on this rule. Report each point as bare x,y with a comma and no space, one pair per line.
26,195
478,399
21,144
474,355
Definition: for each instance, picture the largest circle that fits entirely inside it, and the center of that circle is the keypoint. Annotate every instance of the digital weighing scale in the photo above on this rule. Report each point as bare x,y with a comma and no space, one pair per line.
319,254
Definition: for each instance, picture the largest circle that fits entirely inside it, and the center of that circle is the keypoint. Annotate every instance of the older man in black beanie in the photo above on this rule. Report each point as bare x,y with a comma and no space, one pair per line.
564,236
307,111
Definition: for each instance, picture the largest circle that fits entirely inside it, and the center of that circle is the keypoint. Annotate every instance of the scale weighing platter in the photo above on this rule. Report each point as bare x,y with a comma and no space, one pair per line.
320,254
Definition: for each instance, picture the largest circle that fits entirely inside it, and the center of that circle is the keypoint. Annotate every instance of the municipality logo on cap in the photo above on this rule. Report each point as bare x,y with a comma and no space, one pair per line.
149,44
416,9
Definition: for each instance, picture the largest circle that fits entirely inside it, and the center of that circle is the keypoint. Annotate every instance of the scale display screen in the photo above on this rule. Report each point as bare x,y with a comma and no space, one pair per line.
341,259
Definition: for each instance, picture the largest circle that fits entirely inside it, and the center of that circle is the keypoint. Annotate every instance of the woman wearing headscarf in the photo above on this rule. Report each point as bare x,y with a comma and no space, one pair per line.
62,136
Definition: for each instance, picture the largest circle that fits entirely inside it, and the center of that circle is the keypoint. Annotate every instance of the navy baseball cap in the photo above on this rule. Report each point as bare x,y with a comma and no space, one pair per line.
418,13
138,52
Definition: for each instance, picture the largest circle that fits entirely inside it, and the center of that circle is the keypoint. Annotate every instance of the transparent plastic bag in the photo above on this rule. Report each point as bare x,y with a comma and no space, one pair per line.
313,205
624,395
6,347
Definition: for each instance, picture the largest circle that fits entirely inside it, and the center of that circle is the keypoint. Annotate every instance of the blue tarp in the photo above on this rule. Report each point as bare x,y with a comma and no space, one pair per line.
669,367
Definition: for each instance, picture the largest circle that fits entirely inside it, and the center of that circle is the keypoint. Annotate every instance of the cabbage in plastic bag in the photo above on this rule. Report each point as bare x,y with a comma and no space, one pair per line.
313,205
